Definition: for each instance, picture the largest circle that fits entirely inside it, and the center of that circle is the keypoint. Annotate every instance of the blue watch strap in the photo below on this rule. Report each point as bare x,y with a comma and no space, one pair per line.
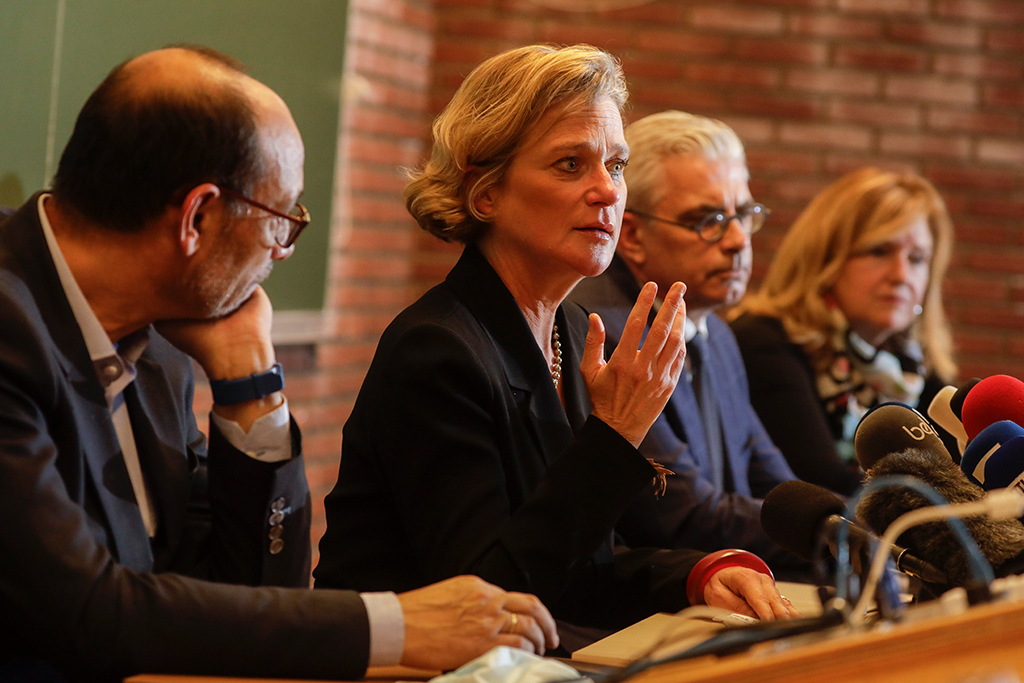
257,385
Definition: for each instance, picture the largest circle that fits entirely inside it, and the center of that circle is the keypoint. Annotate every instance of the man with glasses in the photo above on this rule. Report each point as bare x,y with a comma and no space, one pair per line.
176,193
689,217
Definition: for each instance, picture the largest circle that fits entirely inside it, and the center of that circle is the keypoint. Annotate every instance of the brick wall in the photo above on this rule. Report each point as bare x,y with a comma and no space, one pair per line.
814,87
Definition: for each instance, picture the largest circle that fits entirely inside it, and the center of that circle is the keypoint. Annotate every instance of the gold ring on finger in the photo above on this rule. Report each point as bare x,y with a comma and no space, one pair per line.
513,622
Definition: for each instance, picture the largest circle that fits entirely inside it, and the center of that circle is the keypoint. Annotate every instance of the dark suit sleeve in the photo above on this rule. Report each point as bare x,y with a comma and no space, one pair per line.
65,599
693,514
783,392
248,498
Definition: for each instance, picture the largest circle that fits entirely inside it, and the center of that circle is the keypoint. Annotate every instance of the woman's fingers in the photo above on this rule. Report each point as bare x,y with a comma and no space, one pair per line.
593,352
670,317
631,389
633,331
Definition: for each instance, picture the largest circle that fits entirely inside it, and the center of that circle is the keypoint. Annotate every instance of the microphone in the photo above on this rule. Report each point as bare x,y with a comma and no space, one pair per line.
941,413
986,464
893,427
797,514
999,540
956,403
995,398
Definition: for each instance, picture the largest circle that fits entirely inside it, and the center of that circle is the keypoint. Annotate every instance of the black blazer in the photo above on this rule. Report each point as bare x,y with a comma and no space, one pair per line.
81,584
459,458
784,391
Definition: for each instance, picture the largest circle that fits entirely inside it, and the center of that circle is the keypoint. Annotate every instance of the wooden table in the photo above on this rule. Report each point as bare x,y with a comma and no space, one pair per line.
379,673
985,643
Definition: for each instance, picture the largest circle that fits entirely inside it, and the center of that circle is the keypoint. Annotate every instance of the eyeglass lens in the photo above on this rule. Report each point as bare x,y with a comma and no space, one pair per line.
714,225
289,231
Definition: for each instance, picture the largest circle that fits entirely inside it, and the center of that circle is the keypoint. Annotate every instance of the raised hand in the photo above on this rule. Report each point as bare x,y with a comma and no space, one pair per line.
453,621
630,389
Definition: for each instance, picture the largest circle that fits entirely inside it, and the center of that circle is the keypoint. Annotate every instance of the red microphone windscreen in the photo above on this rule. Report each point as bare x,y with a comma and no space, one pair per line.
995,398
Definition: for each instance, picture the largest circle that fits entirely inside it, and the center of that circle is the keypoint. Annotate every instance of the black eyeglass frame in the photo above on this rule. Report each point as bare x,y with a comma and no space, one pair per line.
755,211
299,222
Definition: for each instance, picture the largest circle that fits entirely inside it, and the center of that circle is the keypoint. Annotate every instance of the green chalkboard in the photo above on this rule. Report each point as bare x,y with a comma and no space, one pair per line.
53,53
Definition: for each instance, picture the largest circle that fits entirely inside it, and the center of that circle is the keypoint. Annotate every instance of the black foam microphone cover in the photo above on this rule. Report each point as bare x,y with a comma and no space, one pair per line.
799,516
956,403
935,542
792,513
893,427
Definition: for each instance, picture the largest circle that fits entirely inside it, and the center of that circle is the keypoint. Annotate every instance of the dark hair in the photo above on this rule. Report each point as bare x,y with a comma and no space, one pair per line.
133,154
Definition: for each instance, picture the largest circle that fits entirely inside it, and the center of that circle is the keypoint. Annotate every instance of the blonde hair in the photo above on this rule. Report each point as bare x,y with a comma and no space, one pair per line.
861,209
657,137
478,134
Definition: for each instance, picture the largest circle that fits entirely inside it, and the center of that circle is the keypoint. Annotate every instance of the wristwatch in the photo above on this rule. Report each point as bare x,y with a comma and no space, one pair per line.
257,385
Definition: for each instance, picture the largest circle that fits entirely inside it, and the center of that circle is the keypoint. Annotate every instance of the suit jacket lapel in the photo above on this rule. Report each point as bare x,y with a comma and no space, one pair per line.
167,470
126,534
488,299
683,416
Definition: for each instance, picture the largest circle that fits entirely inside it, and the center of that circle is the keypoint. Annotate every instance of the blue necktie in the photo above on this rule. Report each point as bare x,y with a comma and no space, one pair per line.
703,389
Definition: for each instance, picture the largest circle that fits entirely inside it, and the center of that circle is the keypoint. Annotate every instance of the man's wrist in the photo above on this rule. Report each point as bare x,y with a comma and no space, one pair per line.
249,388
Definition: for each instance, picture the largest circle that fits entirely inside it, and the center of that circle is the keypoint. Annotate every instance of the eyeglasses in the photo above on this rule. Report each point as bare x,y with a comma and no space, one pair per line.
713,226
298,221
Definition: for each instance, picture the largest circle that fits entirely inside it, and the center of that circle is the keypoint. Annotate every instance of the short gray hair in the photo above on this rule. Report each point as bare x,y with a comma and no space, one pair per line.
654,138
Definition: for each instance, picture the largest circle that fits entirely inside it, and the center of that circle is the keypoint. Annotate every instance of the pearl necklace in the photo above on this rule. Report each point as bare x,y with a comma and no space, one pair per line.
556,364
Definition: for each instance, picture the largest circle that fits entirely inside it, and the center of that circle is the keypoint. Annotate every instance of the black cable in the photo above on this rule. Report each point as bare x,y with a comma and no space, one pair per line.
731,640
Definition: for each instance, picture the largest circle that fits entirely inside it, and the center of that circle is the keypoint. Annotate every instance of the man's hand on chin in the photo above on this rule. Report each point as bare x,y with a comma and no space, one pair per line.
231,347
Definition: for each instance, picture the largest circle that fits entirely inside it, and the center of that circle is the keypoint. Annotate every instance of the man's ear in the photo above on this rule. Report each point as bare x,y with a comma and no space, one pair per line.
195,216
631,242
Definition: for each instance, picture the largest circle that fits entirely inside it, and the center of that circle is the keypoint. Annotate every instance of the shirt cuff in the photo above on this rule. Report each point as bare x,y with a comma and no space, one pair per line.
387,628
269,439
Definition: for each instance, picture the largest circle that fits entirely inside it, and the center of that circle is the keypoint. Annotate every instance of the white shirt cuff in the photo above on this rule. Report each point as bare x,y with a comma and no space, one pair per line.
387,628
269,439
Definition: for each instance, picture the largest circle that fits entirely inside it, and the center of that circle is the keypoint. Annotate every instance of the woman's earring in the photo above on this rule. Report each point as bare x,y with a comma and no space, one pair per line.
918,310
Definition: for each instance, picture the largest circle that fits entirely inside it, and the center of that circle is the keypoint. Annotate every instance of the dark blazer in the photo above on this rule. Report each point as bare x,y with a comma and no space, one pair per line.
81,584
784,391
693,512
459,458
